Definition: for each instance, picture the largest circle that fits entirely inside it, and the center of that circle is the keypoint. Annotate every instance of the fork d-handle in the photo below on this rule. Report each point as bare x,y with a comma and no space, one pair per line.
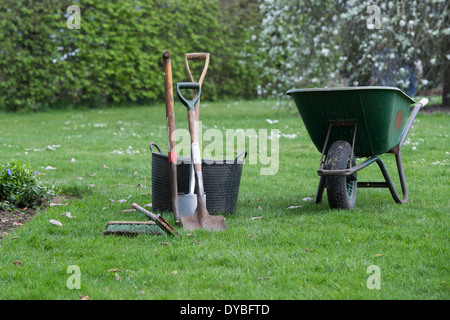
189,104
197,56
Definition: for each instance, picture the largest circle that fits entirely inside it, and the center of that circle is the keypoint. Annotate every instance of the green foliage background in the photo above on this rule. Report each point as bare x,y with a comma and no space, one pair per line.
258,48
116,55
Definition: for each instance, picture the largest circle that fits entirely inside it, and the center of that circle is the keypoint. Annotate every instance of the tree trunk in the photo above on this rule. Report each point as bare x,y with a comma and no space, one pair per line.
446,76
446,87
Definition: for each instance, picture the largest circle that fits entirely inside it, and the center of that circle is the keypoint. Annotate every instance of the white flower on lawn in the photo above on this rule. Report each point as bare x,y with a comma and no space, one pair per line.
68,215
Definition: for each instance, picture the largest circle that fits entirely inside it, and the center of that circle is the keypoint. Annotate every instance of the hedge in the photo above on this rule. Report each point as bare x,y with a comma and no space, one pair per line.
116,54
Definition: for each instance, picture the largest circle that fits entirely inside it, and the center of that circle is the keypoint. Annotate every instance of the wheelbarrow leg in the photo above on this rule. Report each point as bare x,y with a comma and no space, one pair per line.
320,190
401,175
388,181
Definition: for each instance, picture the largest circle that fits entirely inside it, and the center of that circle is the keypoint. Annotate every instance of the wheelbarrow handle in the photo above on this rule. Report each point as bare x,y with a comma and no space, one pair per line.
189,104
422,103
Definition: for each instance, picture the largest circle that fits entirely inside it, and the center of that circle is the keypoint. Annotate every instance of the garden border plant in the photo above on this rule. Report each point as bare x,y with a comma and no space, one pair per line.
21,193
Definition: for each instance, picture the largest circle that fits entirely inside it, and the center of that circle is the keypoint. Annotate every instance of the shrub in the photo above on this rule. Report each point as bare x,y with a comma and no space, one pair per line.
116,54
19,186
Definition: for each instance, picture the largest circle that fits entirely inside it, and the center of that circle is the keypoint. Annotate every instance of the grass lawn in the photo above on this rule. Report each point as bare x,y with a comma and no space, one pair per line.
309,252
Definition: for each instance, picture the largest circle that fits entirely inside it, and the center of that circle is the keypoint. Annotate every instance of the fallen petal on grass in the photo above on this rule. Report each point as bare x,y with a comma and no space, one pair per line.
68,215
58,204
55,222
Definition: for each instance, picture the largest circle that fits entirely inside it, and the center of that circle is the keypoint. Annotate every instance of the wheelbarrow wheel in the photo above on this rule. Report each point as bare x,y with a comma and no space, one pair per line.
341,190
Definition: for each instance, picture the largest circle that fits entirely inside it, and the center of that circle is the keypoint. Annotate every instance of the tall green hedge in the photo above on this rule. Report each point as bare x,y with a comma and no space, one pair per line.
116,54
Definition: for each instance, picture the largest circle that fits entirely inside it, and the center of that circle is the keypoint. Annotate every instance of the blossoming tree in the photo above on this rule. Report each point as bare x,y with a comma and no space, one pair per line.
402,43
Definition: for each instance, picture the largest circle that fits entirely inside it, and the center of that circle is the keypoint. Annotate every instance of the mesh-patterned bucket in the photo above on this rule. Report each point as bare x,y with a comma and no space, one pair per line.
221,181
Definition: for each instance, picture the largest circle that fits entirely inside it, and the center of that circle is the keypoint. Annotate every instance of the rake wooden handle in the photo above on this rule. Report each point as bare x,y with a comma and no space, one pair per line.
170,116
170,119
159,221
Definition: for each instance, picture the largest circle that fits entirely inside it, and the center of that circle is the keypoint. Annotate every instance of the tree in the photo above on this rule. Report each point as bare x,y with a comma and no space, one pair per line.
331,43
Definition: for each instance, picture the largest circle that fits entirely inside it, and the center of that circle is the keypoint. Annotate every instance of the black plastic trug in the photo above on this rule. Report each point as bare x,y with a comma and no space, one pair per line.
221,183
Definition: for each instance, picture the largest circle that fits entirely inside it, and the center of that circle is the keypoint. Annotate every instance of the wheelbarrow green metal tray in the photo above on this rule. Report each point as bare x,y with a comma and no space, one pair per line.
350,122
380,114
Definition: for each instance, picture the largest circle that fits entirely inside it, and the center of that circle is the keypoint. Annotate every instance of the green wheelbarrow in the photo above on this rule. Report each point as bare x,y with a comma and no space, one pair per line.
345,123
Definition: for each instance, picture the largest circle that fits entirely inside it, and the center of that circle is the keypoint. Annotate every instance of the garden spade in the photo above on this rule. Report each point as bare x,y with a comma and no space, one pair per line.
187,202
201,218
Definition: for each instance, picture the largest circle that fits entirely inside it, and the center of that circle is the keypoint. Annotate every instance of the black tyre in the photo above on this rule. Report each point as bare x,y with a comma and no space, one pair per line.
341,190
